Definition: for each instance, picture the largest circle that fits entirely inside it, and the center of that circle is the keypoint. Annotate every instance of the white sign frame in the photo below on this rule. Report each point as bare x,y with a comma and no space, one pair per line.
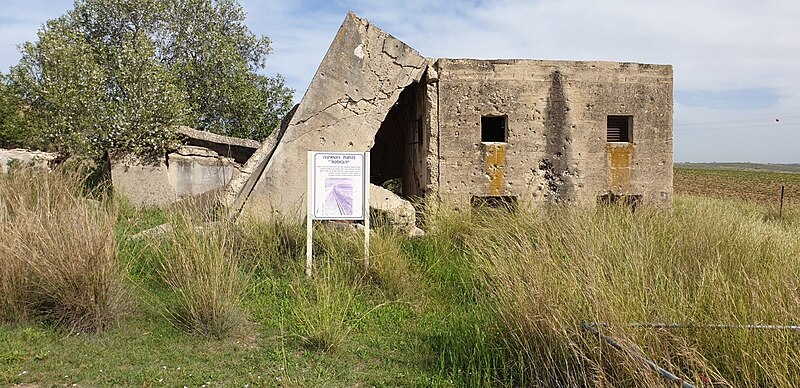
338,185
328,171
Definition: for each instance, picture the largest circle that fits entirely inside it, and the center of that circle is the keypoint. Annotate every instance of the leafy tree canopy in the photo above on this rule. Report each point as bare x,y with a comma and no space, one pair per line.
117,74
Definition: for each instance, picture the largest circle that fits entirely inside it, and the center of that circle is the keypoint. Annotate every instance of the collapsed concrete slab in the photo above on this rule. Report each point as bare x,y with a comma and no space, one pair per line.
358,82
240,150
240,187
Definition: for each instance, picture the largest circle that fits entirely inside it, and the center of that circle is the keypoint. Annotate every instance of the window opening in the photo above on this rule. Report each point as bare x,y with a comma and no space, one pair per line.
618,129
494,129
609,199
505,202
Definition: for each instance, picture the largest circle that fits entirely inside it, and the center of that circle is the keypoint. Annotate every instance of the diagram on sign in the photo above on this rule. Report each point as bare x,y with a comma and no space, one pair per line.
338,197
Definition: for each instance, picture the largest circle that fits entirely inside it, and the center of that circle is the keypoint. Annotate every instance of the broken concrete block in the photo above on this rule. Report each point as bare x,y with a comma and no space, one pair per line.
357,83
397,212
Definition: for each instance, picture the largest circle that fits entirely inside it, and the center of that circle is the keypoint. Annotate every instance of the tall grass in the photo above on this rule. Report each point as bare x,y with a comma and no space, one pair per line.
548,271
323,305
59,258
272,247
199,266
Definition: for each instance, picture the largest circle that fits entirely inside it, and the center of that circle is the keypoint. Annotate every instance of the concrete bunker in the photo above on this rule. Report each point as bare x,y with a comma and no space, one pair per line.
503,133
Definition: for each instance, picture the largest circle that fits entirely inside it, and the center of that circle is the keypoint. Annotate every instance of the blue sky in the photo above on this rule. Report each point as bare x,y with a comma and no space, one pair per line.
736,62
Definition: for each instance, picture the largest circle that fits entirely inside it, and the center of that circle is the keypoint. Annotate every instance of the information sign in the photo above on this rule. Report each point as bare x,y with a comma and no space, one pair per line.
337,185
338,189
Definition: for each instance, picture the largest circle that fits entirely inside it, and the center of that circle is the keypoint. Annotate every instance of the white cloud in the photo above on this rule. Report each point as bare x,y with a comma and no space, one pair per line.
714,45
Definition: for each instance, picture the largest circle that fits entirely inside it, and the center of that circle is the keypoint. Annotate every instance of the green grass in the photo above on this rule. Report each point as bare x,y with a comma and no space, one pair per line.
485,298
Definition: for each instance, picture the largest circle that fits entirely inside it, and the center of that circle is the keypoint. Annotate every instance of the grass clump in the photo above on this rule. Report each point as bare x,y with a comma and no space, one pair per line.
199,267
322,309
548,271
59,252
271,247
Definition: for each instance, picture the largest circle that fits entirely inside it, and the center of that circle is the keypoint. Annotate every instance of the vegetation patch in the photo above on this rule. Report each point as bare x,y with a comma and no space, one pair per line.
486,297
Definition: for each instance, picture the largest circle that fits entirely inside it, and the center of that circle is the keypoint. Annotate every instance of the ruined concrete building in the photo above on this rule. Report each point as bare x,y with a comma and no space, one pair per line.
472,131
496,132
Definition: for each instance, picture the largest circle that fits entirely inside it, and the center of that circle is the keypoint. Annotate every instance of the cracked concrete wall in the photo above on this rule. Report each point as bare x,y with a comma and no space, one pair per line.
557,111
357,83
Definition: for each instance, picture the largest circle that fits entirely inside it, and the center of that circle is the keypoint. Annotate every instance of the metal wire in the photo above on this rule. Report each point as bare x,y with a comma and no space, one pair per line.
636,355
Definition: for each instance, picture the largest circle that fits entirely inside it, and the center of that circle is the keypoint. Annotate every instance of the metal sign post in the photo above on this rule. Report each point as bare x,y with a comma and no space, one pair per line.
338,189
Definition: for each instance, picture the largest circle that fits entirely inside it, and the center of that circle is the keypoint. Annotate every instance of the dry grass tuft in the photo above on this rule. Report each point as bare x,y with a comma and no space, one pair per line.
199,266
708,262
59,252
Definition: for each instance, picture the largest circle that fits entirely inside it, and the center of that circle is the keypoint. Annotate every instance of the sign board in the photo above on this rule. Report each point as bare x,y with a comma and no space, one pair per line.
338,185
338,189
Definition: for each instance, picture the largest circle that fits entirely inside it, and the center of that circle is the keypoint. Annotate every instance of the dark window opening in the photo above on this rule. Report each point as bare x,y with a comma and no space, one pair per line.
493,129
631,201
504,202
619,129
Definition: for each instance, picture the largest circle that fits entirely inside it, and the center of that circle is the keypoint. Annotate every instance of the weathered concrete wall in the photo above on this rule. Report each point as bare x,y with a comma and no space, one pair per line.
22,157
556,147
188,172
195,170
144,183
357,83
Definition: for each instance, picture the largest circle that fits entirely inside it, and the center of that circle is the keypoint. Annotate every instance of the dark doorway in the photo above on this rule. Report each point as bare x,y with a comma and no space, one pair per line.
398,156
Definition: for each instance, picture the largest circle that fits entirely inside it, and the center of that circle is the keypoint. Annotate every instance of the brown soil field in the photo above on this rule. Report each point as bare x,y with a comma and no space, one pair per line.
759,186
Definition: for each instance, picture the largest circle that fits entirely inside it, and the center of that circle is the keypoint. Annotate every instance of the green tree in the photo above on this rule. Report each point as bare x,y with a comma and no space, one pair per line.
118,74
12,131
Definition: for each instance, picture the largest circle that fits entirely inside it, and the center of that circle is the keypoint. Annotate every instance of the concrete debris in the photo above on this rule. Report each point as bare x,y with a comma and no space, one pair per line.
240,150
19,157
153,232
396,211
